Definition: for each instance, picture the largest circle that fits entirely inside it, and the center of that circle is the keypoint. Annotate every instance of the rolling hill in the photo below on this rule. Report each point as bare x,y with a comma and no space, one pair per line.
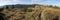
31,12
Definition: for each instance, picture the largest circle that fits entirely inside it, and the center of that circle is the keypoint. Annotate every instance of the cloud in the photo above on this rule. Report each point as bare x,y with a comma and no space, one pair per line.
22,1
34,0
7,2
1,4
37,1
17,1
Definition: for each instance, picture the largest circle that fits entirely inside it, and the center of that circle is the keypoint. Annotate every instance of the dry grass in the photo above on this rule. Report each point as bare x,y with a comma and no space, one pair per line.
37,13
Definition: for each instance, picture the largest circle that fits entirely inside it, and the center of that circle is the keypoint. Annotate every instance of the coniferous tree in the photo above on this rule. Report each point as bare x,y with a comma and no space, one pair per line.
12,6
50,6
6,7
1,9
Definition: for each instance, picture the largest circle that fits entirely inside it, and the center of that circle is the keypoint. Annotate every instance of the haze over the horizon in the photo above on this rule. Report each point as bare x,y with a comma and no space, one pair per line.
49,2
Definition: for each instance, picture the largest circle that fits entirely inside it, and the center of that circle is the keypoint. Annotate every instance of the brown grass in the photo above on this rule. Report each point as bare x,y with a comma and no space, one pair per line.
37,13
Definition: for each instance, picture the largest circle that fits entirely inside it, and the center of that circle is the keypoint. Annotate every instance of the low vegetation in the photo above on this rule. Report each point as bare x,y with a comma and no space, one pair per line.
38,12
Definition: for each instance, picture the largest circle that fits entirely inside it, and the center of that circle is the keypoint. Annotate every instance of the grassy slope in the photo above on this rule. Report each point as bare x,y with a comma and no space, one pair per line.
34,15
54,11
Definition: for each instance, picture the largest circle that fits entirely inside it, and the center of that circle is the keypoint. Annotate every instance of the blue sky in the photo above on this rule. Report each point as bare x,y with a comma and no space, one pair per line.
45,2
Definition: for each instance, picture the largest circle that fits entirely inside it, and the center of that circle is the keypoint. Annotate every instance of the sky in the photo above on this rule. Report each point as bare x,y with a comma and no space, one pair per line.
45,2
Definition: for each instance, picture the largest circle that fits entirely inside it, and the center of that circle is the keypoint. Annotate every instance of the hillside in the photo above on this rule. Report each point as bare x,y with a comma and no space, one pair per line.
31,13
